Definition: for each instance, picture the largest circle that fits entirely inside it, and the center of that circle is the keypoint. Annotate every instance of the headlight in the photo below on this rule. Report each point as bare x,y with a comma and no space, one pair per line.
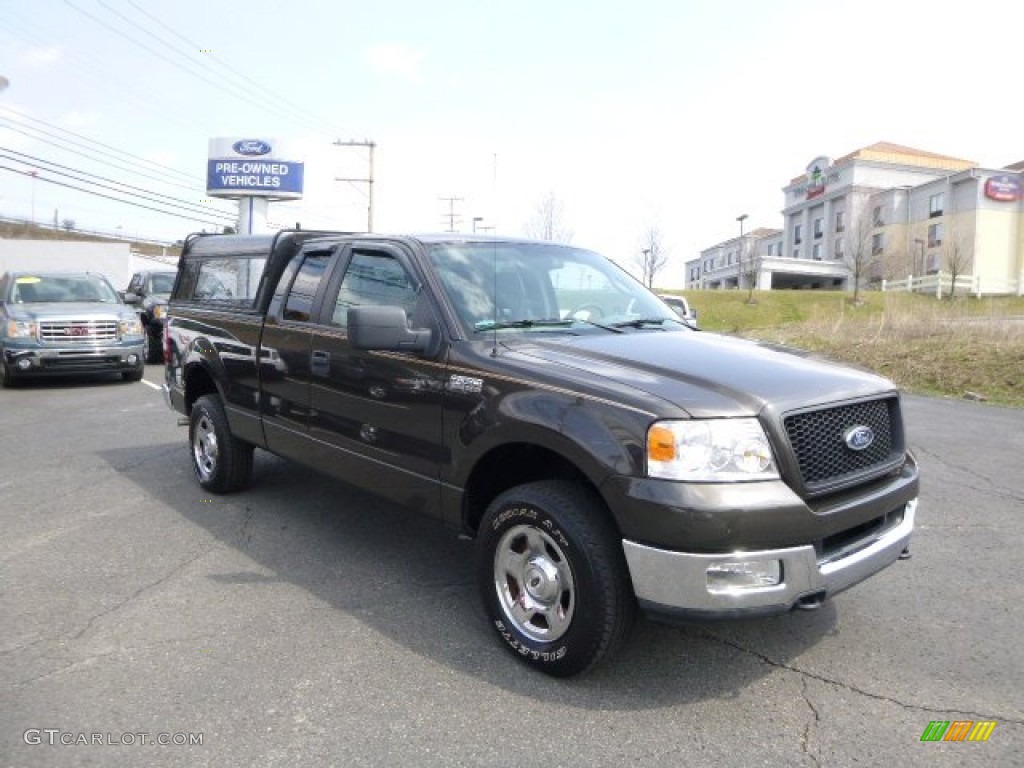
22,329
710,450
130,327
160,311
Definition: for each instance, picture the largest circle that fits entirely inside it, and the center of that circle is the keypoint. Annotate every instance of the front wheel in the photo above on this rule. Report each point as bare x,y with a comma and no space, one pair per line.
221,461
7,380
553,577
152,350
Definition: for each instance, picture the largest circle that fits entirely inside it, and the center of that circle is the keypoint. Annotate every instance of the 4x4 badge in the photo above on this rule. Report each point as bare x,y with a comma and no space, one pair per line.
858,438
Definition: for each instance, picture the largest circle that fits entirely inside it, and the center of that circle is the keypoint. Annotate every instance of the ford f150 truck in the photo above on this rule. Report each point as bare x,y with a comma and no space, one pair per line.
604,455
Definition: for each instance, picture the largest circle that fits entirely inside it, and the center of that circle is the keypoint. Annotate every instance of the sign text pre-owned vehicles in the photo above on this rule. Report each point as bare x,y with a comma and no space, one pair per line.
605,456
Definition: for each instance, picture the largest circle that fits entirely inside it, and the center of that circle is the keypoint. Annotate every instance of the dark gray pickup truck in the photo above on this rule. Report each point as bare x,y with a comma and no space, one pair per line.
604,455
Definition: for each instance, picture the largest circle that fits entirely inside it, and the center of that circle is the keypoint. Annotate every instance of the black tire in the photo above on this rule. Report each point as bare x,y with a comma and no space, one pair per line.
553,577
7,378
221,461
135,375
152,350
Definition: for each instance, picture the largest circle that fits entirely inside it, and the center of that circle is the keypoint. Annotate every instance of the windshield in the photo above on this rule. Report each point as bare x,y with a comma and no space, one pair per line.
542,285
161,283
37,289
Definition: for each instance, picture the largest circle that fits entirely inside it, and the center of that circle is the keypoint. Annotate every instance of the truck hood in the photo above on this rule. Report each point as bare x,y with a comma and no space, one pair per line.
62,310
705,374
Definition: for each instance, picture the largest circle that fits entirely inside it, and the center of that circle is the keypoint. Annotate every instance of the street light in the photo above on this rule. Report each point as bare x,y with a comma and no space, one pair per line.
475,220
739,261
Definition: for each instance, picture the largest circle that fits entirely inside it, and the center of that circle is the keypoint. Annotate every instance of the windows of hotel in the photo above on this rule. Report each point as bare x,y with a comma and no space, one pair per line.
935,203
877,243
840,224
935,232
798,234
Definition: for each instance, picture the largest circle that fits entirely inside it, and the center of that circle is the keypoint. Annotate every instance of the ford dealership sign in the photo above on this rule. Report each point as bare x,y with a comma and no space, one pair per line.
253,167
250,147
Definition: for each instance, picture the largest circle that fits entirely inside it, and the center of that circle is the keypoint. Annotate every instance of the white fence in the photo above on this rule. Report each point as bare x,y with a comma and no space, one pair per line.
941,284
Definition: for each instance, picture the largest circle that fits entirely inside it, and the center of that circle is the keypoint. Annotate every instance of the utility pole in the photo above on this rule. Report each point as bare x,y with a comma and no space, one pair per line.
369,177
451,215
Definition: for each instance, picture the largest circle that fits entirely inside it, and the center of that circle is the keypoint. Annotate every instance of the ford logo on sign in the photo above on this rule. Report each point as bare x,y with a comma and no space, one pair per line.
251,147
858,438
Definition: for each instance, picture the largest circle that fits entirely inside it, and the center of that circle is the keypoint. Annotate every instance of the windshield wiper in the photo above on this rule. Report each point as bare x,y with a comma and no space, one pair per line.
640,322
496,325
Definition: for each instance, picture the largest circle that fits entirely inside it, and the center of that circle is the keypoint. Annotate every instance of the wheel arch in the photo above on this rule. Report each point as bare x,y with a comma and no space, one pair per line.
517,463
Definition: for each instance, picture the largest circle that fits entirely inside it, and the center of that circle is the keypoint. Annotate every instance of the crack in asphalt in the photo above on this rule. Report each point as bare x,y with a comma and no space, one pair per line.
988,485
765,659
141,590
805,741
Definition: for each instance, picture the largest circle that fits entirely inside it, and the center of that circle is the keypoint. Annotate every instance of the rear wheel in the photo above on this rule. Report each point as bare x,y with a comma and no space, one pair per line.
553,577
221,461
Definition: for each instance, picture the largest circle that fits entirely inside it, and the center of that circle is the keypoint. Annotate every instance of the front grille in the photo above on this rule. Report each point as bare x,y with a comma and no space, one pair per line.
78,331
818,440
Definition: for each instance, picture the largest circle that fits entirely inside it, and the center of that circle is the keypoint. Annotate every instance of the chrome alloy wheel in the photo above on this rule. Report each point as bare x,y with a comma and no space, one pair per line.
534,583
204,447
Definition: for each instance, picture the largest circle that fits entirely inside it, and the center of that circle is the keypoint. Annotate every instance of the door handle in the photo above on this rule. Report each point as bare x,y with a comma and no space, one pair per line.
320,364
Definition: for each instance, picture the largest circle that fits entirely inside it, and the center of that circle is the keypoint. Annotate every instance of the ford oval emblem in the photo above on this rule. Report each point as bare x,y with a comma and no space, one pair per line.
858,438
251,147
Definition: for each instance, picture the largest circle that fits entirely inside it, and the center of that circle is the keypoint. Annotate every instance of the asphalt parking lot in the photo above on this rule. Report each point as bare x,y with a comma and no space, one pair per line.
303,623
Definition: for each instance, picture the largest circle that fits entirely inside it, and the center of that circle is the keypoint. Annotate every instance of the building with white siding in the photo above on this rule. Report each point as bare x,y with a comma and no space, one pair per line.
883,213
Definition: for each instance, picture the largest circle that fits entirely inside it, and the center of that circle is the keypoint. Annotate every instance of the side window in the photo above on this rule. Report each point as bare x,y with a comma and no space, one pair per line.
232,279
377,279
299,306
136,283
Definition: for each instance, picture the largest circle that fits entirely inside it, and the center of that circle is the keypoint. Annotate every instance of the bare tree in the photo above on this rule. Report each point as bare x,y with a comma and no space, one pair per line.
749,266
958,259
863,253
652,256
547,222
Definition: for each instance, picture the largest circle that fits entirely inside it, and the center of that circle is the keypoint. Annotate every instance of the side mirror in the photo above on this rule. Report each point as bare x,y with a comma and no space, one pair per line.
130,298
385,328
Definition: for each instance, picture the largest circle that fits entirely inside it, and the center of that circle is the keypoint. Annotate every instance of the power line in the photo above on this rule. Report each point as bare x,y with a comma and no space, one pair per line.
262,104
108,197
146,194
241,75
22,129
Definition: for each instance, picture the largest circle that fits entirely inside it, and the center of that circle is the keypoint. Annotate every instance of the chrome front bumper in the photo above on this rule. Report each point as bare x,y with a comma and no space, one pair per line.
676,584
34,360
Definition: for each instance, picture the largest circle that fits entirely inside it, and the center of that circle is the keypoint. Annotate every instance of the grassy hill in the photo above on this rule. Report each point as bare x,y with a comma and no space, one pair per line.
964,347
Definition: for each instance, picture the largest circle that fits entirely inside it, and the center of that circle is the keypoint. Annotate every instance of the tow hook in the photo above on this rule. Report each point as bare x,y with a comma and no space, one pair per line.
811,602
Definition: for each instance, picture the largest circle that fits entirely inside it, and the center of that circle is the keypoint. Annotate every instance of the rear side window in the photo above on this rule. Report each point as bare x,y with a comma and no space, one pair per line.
231,280
299,306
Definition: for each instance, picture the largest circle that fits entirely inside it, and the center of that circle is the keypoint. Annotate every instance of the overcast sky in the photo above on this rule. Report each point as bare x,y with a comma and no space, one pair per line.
675,115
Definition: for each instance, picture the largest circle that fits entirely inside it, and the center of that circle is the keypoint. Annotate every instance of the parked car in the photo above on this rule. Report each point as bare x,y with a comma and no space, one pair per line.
681,307
65,323
148,292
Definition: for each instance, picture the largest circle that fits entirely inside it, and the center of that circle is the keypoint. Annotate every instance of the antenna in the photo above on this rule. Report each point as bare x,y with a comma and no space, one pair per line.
494,300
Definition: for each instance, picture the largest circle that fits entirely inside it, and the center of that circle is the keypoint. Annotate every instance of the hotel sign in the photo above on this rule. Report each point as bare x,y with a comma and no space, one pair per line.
1004,189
